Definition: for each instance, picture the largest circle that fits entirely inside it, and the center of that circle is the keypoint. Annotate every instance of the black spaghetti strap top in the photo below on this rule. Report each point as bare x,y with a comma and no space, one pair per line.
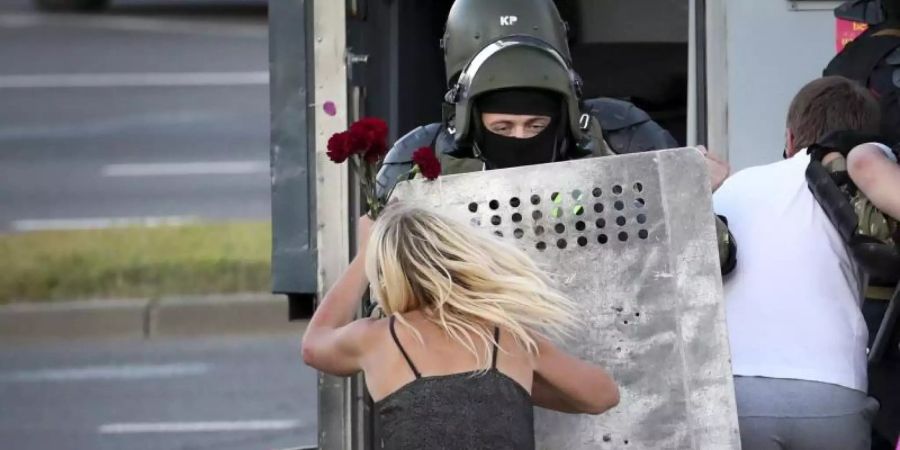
489,411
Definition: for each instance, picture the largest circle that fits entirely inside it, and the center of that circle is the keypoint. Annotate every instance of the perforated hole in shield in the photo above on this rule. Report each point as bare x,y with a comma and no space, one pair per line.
619,212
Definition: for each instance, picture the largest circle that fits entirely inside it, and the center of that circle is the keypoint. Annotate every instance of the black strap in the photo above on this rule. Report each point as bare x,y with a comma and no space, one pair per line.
843,142
861,56
496,344
397,341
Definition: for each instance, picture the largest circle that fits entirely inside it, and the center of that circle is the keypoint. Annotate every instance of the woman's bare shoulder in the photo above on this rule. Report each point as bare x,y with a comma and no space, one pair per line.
363,333
370,326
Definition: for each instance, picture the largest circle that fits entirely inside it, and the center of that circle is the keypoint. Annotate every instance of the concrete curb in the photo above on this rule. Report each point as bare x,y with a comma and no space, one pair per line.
147,318
218,314
72,320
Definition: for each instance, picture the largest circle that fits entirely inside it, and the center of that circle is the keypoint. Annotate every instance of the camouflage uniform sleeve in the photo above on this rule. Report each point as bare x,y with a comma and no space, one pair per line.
872,222
627,128
727,246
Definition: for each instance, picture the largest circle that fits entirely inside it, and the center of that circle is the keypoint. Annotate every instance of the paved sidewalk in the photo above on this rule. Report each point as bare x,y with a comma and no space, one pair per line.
147,318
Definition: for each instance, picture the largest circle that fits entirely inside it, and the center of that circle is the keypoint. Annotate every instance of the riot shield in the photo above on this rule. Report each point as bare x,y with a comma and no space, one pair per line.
632,240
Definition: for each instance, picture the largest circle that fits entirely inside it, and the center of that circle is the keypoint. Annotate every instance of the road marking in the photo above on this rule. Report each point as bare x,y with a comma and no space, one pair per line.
108,373
107,126
123,23
187,168
110,80
198,427
100,223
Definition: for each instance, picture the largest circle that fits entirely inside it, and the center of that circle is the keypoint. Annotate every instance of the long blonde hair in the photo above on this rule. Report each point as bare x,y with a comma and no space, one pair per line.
463,280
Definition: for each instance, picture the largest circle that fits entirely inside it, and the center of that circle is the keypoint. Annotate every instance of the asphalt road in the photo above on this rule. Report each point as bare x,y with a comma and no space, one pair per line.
223,394
152,111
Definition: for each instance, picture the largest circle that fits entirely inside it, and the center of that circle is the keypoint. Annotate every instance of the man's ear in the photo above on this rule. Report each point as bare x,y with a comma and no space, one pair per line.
789,149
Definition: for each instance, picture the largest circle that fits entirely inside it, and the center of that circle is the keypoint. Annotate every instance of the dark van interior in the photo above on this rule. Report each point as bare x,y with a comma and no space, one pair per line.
635,50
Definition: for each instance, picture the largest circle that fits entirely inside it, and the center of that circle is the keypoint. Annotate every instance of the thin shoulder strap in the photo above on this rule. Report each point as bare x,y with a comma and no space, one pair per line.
496,343
405,356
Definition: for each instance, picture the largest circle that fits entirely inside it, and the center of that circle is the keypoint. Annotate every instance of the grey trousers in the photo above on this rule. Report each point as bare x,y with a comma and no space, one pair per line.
781,414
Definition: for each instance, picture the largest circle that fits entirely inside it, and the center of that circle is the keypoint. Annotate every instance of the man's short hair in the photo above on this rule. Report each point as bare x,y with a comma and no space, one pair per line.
831,104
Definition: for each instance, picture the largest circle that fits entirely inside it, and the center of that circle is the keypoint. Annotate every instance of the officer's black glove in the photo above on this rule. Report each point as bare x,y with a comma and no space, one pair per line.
842,142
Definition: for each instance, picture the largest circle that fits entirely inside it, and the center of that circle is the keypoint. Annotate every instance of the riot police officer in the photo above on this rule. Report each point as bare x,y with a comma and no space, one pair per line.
873,60
514,99
873,239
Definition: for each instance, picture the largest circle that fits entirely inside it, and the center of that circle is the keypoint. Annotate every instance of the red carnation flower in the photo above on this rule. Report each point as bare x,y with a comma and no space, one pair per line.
427,162
357,141
365,145
372,134
375,129
375,151
338,148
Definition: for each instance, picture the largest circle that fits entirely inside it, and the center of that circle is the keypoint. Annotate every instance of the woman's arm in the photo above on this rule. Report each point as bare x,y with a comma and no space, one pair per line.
333,342
565,383
877,177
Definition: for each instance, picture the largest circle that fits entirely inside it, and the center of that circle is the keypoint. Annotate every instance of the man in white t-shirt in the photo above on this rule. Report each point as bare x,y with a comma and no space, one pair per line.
798,338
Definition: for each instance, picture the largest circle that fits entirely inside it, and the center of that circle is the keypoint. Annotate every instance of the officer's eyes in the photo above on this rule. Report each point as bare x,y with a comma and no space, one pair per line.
537,126
529,128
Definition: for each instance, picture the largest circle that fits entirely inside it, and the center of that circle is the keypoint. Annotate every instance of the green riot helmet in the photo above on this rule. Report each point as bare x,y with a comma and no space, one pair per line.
872,12
474,24
517,62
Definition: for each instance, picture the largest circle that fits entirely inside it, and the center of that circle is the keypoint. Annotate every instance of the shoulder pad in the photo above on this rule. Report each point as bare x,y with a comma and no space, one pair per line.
398,161
893,58
445,143
614,114
627,128
842,141
404,148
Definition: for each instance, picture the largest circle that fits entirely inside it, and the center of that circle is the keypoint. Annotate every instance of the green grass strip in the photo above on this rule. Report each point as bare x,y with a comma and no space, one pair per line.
135,262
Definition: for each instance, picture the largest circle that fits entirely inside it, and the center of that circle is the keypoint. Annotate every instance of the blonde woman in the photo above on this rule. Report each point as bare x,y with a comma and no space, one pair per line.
462,357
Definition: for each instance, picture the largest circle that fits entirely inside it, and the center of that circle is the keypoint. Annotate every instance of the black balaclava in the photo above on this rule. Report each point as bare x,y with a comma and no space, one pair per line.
501,151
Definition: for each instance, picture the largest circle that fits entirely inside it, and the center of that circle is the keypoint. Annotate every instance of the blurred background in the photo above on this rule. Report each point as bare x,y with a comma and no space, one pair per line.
144,114
134,143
